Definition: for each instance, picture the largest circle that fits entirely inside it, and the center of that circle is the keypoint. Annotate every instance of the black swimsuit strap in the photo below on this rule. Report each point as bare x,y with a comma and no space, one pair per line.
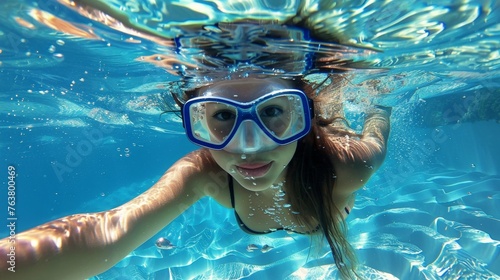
240,222
231,190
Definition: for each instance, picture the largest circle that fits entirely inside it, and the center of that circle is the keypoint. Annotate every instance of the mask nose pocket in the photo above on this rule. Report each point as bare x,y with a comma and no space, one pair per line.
249,138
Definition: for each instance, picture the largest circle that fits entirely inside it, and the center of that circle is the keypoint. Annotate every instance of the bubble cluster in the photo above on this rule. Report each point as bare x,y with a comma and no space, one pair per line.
253,247
124,153
278,211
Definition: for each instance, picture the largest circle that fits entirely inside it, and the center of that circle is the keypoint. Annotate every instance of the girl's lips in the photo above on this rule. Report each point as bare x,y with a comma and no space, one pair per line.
257,169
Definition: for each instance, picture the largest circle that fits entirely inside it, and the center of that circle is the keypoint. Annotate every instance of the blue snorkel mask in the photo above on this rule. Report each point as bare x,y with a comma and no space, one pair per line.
276,118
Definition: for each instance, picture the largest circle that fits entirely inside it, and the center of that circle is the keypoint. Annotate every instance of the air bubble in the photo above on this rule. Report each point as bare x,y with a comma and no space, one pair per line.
252,247
266,248
243,156
165,244
60,42
127,152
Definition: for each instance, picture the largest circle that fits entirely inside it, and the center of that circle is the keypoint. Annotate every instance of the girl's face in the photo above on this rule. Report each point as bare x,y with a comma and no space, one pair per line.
255,171
258,171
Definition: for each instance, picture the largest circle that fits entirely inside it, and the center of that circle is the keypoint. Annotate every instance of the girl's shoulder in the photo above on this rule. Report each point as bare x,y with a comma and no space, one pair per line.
212,180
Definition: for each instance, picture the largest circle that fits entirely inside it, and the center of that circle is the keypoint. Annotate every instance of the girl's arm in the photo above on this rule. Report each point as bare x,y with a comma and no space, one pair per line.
359,156
83,245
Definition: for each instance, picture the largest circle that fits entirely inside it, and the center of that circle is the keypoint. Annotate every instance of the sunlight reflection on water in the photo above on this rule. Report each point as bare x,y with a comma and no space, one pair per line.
90,63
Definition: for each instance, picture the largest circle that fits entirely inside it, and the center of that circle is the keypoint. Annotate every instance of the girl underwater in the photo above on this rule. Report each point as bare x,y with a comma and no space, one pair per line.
266,141
270,140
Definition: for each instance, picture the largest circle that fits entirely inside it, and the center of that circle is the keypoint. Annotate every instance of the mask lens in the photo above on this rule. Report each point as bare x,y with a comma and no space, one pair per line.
211,121
282,116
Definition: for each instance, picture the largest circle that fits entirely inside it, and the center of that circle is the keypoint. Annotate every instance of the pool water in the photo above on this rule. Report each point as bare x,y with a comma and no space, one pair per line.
80,123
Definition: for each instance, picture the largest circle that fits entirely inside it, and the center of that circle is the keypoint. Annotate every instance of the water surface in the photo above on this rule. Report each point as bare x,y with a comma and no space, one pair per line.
80,121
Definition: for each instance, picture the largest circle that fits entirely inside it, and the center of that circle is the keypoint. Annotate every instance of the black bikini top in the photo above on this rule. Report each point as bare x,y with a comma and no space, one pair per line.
238,219
243,226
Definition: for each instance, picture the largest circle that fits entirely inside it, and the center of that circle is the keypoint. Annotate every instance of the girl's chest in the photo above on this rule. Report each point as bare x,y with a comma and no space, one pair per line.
267,211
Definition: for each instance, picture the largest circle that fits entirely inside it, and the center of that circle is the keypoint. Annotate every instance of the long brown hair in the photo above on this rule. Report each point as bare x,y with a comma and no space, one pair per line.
311,173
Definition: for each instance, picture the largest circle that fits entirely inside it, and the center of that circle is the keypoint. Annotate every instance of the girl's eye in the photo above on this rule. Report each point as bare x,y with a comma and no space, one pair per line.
224,115
271,111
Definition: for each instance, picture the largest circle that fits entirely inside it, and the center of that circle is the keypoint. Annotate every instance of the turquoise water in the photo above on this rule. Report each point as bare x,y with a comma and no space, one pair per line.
79,122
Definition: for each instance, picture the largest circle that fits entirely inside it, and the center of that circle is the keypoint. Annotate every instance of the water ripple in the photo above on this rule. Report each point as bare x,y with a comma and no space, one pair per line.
452,232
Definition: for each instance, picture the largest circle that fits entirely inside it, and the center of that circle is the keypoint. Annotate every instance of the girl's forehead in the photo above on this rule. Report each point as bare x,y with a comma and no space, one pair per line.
245,90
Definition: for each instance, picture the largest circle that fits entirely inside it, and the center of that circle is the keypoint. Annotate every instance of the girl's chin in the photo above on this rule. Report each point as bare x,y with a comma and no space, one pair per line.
255,188
256,184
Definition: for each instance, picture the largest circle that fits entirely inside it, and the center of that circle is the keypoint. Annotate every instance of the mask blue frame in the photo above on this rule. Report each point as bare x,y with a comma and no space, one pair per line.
247,111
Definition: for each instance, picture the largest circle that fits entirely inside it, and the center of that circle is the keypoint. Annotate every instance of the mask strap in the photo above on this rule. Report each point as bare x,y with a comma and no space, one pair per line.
311,107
